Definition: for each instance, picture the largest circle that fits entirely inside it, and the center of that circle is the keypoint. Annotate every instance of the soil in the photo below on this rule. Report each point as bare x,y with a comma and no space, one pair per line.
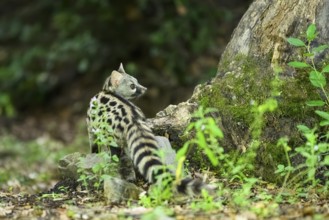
77,204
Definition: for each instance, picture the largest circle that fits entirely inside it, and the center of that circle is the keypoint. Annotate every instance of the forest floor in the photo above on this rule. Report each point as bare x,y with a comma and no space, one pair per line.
83,206
28,172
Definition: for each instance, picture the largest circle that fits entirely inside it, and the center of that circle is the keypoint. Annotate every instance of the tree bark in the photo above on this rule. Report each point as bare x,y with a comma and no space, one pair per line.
244,77
264,28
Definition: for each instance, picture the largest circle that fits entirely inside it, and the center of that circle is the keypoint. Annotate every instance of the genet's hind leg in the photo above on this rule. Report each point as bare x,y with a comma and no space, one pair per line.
126,168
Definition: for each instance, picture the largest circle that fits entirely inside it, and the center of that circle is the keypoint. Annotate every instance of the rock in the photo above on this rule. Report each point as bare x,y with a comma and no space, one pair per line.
68,165
169,154
118,190
115,189
177,115
173,121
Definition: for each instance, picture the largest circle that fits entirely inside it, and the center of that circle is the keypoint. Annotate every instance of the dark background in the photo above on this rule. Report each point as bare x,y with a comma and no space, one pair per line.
55,55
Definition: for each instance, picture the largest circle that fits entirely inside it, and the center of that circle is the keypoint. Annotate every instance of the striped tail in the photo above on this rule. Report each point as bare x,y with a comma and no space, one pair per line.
143,149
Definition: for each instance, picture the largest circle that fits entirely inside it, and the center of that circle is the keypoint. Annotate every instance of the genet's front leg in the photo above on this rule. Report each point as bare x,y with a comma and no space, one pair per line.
94,148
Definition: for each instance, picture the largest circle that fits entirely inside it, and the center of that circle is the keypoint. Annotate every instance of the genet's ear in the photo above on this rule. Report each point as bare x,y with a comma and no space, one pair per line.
115,78
107,84
121,70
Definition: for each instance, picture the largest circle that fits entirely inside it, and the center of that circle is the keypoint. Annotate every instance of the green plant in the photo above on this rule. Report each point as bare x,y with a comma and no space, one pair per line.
316,147
283,170
316,76
204,136
308,151
207,203
106,165
207,135
259,111
159,193
312,151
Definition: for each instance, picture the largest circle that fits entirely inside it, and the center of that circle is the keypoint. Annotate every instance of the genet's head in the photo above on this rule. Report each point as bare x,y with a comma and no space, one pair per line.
123,84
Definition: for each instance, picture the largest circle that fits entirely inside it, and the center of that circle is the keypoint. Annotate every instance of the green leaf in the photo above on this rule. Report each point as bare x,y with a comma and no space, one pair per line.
289,168
280,168
297,64
326,160
115,158
322,147
315,103
182,152
308,54
105,176
201,139
96,168
311,171
189,127
317,79
322,114
214,129
311,32
324,123
296,42
325,69
305,154
303,128
211,156
319,48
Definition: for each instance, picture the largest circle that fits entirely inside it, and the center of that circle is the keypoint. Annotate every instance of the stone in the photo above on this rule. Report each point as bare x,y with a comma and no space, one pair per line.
70,164
172,121
169,154
117,190
67,166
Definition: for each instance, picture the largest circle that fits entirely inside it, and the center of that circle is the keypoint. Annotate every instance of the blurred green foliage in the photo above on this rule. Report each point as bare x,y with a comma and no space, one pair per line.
46,44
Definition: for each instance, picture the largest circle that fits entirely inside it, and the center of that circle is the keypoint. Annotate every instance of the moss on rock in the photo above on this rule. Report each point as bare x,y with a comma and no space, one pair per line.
242,85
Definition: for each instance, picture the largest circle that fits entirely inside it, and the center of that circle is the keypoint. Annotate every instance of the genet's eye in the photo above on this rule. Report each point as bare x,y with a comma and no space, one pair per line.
132,86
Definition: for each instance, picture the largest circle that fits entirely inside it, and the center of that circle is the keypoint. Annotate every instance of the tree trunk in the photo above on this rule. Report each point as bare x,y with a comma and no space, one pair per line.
263,30
244,77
